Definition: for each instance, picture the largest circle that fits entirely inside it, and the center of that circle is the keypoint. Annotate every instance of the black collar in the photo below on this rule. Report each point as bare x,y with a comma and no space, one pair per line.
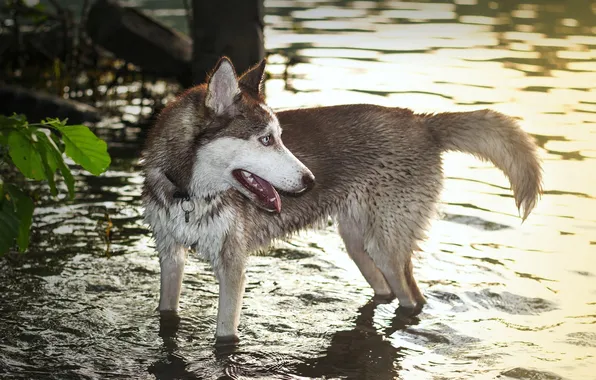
179,193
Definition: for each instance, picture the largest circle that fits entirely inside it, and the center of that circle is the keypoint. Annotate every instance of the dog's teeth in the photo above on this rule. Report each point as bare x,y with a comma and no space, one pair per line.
246,174
272,200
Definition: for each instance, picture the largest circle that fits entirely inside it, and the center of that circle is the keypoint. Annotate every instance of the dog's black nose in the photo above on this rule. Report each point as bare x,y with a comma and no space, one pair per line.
308,180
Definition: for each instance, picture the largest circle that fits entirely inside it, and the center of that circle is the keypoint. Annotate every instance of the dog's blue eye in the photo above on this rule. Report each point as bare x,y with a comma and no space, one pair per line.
266,140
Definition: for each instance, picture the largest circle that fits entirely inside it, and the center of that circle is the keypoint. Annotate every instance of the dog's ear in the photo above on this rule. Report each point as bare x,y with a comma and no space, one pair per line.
252,80
222,87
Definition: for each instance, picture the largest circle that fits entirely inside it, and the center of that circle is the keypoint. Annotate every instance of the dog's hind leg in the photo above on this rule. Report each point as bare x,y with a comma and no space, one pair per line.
171,260
397,270
392,253
414,289
352,234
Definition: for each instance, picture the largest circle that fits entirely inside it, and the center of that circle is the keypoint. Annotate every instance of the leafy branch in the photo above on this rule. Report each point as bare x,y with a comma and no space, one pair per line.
37,150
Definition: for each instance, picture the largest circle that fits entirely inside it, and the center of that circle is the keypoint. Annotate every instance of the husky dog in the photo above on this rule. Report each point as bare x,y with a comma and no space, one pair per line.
220,178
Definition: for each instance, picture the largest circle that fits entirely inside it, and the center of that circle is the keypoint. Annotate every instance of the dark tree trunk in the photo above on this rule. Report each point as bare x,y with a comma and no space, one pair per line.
233,28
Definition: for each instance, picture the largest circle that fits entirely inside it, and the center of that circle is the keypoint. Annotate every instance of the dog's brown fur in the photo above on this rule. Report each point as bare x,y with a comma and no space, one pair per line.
377,169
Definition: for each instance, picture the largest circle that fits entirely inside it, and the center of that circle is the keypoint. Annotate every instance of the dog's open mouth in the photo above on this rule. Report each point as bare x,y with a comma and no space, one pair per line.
263,191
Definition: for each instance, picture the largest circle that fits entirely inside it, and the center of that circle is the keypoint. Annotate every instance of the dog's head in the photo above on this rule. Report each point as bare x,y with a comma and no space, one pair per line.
240,144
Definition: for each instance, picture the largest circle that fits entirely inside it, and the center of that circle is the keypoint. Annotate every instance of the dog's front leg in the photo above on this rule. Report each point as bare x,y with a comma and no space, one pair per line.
230,272
171,260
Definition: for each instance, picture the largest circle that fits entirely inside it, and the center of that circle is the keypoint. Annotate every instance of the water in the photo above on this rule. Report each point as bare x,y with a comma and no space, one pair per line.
506,300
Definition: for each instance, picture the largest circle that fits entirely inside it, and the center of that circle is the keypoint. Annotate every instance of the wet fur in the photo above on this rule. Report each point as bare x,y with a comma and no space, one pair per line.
378,173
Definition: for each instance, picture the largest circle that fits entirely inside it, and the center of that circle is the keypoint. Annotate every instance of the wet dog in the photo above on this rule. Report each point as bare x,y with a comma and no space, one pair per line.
221,177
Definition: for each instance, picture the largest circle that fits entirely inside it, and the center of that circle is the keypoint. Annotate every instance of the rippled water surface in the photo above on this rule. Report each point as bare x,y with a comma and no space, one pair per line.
505,300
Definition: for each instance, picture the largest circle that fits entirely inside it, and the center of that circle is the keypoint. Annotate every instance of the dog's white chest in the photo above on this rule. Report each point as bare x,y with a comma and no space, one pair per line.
196,222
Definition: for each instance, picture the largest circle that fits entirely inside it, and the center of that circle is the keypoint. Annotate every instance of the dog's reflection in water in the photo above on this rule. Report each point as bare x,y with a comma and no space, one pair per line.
362,352
173,365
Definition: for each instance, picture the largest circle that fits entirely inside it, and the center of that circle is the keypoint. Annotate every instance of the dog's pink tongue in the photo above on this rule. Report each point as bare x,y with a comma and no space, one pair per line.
269,196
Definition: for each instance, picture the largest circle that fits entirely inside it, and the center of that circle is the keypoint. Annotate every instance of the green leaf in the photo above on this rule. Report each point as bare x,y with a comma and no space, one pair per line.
85,148
48,161
20,118
44,143
54,122
49,172
68,179
23,206
25,213
57,142
9,225
55,161
13,122
24,154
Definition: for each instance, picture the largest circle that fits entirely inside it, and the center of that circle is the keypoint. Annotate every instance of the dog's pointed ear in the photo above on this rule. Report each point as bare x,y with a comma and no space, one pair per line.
252,80
222,87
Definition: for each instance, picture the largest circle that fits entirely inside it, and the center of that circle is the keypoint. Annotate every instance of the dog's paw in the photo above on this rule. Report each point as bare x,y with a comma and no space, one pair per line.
409,311
406,312
168,324
227,340
404,317
383,298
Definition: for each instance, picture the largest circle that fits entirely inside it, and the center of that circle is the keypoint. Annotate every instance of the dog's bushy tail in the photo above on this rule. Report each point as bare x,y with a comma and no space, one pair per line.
495,137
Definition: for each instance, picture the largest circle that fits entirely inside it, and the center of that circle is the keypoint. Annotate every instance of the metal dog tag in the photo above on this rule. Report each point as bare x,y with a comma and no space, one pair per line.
190,207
